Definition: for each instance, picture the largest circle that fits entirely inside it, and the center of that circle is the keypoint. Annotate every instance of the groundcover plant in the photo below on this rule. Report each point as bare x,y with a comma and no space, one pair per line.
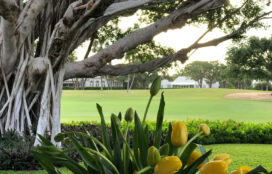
123,155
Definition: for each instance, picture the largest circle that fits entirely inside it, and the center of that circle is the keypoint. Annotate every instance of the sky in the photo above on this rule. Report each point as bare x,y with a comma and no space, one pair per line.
180,38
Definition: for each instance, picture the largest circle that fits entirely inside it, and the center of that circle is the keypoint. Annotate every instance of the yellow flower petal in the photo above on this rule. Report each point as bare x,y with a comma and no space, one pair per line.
242,170
193,157
179,134
214,167
168,165
224,157
205,129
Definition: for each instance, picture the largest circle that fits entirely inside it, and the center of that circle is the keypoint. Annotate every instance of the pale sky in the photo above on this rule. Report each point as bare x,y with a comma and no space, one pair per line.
181,38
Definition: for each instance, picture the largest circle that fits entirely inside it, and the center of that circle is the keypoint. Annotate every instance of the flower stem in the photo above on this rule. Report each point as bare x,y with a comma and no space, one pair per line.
146,109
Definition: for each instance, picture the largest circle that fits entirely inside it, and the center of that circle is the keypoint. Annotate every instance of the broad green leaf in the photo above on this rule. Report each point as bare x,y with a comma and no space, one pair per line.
117,155
87,158
168,140
91,138
186,154
203,151
192,169
44,141
258,170
45,163
160,115
142,143
105,136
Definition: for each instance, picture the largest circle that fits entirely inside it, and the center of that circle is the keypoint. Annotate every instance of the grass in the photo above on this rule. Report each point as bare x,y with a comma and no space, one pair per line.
251,155
181,104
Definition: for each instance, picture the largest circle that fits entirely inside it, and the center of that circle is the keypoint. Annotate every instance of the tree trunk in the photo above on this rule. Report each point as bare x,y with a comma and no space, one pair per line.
200,83
128,79
132,81
101,85
210,85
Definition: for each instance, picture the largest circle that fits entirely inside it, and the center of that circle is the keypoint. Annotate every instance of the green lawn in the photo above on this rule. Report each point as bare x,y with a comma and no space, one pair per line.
246,154
181,104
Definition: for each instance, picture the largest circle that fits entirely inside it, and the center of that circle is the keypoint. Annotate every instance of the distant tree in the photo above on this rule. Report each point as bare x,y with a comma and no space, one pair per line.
197,71
212,73
252,59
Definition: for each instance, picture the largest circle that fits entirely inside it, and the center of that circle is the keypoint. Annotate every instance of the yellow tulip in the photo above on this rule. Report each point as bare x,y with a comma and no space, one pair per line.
205,129
193,157
224,157
168,165
179,134
214,167
242,170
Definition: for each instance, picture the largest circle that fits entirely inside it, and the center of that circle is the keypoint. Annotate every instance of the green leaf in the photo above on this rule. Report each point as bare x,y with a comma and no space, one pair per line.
87,158
188,143
192,169
120,116
135,143
45,163
117,155
92,138
164,149
105,137
186,153
257,170
141,138
203,151
160,115
44,141
168,140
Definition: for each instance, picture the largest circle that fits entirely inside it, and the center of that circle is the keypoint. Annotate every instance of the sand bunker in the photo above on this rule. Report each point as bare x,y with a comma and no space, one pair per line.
250,96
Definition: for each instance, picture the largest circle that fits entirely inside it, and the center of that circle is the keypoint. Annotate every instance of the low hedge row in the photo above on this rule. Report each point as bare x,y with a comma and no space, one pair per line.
15,151
222,132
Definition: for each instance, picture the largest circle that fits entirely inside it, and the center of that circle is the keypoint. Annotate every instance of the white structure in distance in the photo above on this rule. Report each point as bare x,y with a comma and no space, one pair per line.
186,82
95,82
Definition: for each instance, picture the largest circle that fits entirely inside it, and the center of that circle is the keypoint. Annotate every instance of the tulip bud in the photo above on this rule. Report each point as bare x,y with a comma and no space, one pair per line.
59,137
179,134
153,156
205,129
224,157
216,167
164,149
242,170
129,115
193,157
155,87
168,165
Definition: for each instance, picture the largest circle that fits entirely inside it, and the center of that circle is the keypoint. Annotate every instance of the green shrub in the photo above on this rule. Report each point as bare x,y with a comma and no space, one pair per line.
15,152
221,131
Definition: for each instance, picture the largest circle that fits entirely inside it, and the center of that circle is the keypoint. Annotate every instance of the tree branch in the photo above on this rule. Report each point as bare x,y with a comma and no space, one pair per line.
176,19
181,55
150,66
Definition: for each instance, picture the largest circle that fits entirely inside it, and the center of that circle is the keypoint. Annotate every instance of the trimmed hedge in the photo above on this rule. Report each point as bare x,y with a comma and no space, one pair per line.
15,150
221,131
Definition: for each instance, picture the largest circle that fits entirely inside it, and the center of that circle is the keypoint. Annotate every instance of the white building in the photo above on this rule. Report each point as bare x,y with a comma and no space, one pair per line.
97,82
94,82
185,82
